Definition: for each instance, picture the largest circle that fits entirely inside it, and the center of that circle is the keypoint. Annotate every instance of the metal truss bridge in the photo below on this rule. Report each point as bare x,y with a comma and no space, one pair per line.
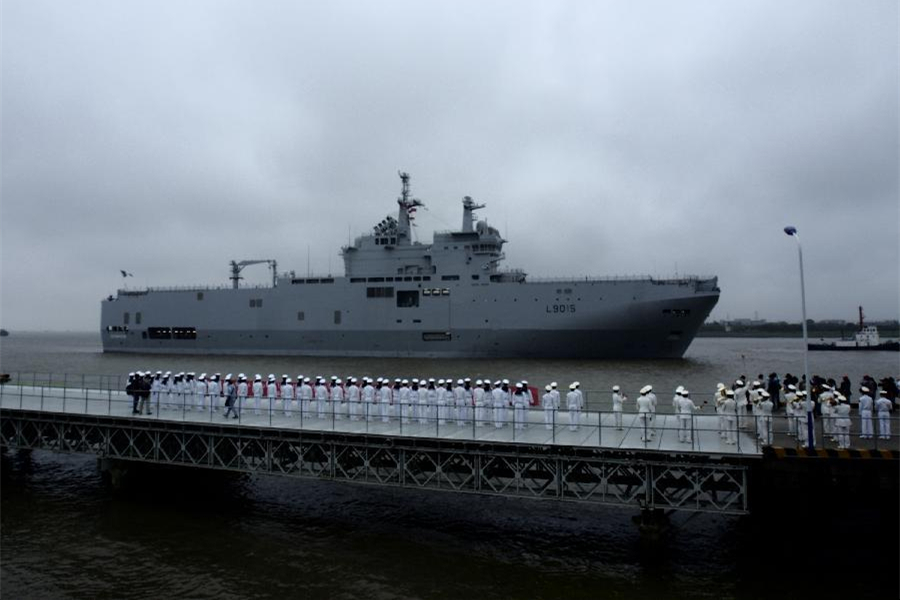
635,477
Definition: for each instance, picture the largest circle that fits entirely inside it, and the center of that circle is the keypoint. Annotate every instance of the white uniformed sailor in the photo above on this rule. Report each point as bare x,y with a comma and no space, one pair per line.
440,395
385,399
519,403
617,405
368,398
200,392
548,405
865,413
653,405
842,422
686,408
427,401
413,400
354,398
644,407
572,404
766,406
883,408
478,400
729,410
257,394
402,401
461,399
321,397
287,396
337,398
499,401
306,395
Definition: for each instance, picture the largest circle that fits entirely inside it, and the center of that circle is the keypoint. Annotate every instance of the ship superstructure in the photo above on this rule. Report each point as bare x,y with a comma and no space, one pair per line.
401,297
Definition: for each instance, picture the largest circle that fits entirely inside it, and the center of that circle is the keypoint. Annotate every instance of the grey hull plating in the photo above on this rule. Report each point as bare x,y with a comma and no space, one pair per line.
636,319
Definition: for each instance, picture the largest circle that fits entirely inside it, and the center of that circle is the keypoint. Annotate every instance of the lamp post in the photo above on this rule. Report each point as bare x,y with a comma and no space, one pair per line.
792,232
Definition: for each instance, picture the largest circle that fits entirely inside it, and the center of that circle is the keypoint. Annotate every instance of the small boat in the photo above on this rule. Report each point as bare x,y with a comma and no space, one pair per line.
866,338
3,333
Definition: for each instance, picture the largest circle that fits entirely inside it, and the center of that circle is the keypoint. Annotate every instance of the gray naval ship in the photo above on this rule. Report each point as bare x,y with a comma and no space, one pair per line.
399,297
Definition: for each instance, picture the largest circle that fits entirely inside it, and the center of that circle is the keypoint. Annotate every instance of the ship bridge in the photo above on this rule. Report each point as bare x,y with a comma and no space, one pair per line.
470,253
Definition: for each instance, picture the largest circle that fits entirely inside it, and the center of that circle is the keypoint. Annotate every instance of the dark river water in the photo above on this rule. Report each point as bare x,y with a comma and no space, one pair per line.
190,533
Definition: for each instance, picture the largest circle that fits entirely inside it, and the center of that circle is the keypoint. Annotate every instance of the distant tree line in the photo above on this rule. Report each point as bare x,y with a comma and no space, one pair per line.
821,329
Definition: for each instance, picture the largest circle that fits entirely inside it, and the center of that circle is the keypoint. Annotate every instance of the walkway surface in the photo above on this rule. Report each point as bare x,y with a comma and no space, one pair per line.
596,429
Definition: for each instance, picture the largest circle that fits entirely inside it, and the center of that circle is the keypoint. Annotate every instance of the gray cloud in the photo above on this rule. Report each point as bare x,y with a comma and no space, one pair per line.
606,138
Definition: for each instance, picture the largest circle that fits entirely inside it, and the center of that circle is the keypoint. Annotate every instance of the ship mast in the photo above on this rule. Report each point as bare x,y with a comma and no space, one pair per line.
407,208
469,207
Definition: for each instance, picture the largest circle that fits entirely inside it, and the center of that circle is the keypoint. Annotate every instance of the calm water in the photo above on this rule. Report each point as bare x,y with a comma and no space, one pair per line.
64,534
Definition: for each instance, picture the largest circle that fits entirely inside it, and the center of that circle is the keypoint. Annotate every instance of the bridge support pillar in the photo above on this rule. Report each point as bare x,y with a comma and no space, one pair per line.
114,472
653,523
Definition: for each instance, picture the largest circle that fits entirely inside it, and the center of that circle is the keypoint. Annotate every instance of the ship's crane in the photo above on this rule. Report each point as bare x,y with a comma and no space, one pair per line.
238,266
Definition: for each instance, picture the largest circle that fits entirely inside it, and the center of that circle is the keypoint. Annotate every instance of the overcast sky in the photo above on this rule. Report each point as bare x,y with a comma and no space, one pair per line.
167,138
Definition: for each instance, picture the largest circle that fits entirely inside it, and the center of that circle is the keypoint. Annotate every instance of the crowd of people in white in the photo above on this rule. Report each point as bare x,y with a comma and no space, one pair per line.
744,406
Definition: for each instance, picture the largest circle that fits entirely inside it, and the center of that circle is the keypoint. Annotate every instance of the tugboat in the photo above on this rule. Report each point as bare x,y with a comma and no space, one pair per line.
866,338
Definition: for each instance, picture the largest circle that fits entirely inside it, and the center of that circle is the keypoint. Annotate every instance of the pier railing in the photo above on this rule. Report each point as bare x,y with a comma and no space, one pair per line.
702,431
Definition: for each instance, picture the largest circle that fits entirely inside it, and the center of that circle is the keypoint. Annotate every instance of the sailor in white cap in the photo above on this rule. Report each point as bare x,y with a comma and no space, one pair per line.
842,421
354,398
618,400
729,411
306,394
790,396
200,392
337,399
401,399
461,400
764,412
826,408
547,403
865,413
167,391
478,402
427,401
883,408
647,391
718,400
218,390
155,389
676,399
441,402
270,395
572,405
287,396
320,397
368,398
801,418
412,401
686,408
257,393
385,400
499,402
520,401
645,410
653,405
740,400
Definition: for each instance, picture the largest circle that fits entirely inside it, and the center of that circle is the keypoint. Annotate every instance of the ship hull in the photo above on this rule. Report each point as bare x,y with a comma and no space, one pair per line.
560,319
